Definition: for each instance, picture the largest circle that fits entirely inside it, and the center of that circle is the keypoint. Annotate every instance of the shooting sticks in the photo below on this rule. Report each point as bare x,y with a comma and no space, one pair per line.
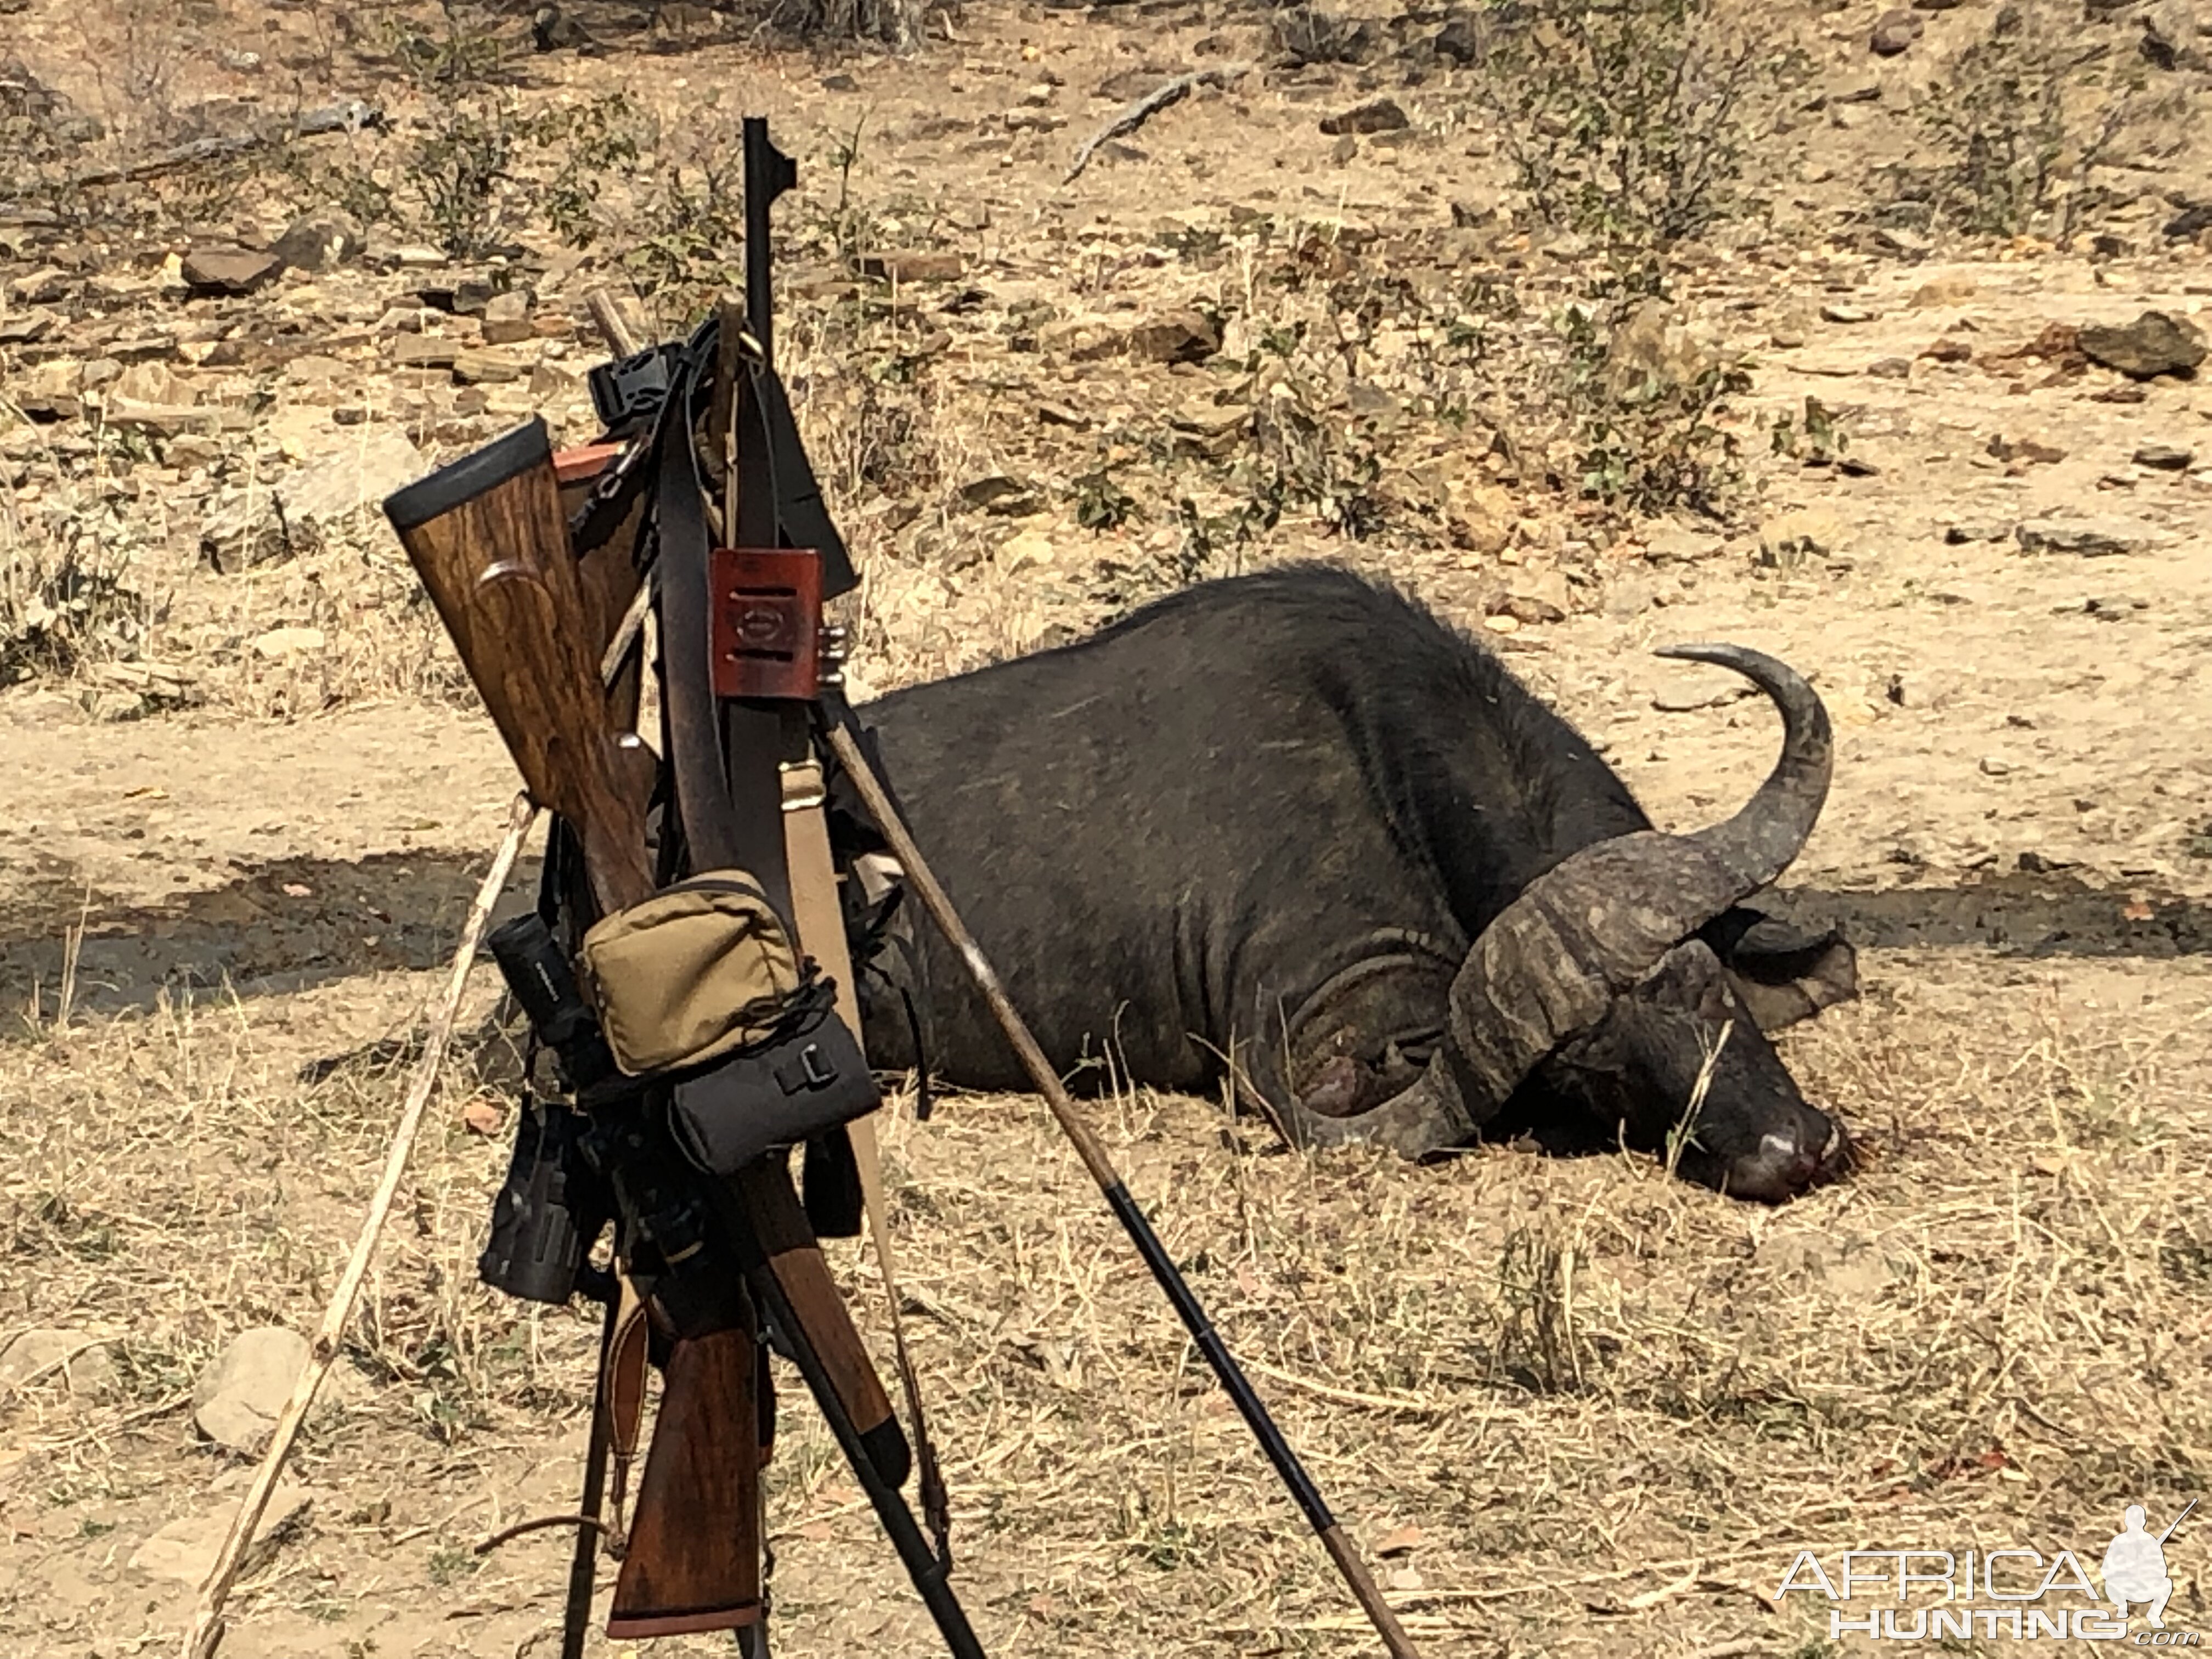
207,1626
1231,1376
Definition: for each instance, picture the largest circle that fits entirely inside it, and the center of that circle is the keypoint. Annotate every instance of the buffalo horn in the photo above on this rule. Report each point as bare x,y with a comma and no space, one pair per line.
1590,929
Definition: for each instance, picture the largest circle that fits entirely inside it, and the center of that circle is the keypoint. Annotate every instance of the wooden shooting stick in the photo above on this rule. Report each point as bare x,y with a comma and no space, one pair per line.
207,1626
1231,1377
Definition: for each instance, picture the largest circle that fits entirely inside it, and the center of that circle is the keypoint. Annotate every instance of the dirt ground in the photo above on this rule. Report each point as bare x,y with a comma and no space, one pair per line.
1571,1407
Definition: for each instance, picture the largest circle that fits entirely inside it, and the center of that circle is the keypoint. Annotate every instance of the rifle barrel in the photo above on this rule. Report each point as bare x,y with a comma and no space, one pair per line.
2178,1520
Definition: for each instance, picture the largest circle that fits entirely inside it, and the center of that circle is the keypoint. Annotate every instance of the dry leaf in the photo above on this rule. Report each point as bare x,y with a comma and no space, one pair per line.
1399,1540
482,1116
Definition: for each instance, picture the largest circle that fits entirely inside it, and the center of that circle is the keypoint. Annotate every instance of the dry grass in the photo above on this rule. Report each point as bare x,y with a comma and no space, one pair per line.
1608,1402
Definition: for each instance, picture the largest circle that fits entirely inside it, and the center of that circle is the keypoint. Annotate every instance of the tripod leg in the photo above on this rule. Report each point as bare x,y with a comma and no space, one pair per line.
922,1567
583,1566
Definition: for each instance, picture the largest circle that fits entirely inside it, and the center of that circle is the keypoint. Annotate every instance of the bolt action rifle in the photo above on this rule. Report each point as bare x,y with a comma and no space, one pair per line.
681,1141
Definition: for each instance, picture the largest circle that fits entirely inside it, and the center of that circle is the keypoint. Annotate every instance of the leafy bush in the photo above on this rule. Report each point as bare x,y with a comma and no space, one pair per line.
2024,115
1633,122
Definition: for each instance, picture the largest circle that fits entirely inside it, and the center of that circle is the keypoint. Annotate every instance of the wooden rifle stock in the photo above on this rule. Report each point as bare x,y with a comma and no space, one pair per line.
488,535
693,1563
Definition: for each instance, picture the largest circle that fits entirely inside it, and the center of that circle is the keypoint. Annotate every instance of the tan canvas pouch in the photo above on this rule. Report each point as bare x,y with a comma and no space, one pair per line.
697,970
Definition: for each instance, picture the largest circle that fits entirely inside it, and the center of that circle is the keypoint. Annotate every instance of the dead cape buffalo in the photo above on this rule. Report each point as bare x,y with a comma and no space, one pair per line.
1294,826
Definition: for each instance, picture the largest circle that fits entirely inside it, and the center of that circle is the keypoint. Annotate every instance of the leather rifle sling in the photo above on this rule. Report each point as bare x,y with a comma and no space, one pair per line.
732,819
737,822
622,1380
822,933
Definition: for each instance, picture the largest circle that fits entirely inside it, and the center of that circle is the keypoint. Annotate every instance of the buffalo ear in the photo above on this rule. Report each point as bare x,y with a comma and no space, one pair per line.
1784,973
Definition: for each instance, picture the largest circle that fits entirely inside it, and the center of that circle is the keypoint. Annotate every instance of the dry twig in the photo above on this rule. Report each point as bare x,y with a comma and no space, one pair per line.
1143,109
207,1626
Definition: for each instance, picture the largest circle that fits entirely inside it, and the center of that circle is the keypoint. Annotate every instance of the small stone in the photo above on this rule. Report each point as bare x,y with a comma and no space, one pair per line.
1953,290
215,271
237,1399
1891,369
507,319
1843,313
2165,457
551,381
912,267
319,241
1343,150
1531,598
42,287
160,420
184,1551
2027,452
1377,115
1895,32
1175,337
463,296
73,1361
2155,343
1061,414
2189,223
1788,539
1024,551
280,642
487,368
1948,351
1460,39
1975,530
1994,766
1002,496
2089,537
423,351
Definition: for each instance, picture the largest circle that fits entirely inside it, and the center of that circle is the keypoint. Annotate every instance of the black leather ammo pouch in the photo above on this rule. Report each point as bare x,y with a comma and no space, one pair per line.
699,986
809,1076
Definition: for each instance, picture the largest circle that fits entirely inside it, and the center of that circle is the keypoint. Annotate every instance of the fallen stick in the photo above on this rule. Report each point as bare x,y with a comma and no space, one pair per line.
207,1627
1136,114
352,116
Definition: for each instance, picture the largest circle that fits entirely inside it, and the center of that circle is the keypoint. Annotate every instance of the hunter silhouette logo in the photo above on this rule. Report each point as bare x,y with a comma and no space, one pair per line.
2023,1593
2135,1567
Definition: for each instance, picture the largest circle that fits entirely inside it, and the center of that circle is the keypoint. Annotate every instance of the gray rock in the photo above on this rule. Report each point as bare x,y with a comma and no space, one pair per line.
319,241
57,1357
1377,115
507,319
2165,457
2155,343
2089,537
1176,337
1001,496
1976,529
43,286
215,271
297,514
184,1551
237,1399
1895,32
487,368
